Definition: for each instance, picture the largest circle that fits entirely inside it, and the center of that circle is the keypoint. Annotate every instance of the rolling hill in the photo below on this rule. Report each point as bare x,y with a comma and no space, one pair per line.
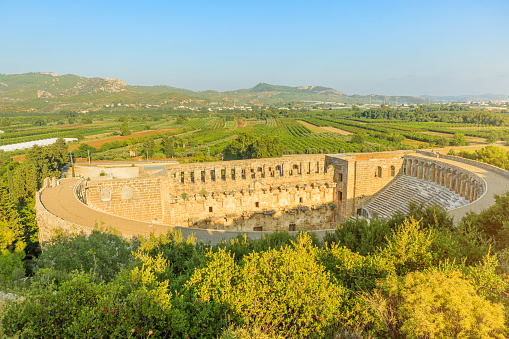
47,91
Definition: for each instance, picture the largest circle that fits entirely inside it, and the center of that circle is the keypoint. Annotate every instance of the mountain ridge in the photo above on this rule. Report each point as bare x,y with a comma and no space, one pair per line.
39,89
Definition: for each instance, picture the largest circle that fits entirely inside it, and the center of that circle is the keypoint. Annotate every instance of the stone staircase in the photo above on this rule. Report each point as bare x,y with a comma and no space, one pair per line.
406,189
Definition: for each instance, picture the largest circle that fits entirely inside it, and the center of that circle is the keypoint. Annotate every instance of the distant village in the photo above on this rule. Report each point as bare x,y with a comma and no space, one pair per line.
502,105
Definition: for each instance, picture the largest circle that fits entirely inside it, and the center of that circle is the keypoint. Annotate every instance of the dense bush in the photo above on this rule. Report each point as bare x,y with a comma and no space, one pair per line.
435,304
101,253
286,291
400,278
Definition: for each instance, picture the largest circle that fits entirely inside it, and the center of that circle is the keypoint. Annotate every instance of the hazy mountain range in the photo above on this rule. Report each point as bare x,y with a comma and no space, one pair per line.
47,91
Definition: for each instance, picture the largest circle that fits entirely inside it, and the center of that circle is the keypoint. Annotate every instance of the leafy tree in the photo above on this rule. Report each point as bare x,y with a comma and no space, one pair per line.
168,147
11,254
180,120
442,142
40,122
493,155
493,221
267,147
357,138
492,137
17,214
459,140
247,146
432,216
242,147
409,248
360,236
148,147
124,128
184,254
83,150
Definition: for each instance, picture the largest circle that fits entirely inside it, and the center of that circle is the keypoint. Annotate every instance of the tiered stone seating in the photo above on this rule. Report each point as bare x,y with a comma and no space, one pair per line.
406,189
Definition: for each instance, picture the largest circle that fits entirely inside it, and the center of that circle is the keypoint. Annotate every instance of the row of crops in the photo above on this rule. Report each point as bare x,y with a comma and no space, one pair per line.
232,124
214,131
370,128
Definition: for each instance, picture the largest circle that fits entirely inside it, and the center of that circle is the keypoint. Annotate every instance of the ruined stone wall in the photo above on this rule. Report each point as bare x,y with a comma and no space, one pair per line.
137,199
291,192
232,195
465,183
306,206
359,180
247,174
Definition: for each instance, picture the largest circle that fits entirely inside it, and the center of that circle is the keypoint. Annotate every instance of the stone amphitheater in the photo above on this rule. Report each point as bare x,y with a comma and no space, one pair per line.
219,200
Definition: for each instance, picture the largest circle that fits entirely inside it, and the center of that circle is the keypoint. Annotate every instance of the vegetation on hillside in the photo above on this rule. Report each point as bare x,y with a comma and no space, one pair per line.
401,278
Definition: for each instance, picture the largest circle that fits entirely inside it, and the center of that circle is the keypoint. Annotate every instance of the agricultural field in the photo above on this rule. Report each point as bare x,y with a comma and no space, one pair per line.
164,134
99,142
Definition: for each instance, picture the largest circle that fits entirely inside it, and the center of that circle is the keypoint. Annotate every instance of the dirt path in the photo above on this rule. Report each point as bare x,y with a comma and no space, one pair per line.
336,130
318,129
312,128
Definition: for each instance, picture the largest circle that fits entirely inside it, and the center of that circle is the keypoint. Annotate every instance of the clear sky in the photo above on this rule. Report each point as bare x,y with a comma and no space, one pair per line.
357,47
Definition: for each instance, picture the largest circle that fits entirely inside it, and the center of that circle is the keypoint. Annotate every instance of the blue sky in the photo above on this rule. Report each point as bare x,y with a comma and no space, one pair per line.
357,47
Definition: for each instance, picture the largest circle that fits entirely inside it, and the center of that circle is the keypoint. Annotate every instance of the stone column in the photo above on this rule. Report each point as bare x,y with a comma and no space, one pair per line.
286,169
468,188
464,186
453,181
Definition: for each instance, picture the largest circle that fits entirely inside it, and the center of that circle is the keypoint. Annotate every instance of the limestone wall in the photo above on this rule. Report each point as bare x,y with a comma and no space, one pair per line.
303,205
137,199
49,224
290,193
247,174
359,180
229,195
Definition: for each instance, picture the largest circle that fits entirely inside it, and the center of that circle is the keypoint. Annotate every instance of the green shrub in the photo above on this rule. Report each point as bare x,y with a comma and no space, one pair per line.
284,291
443,305
102,253
360,235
